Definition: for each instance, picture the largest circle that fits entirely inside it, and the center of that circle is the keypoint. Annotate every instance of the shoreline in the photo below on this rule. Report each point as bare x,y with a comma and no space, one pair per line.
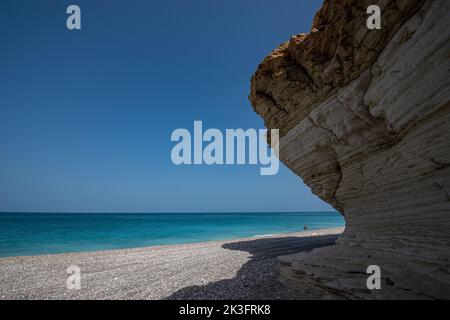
217,269
257,236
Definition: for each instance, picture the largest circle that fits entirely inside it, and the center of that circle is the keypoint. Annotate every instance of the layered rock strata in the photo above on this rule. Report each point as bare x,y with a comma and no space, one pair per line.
364,117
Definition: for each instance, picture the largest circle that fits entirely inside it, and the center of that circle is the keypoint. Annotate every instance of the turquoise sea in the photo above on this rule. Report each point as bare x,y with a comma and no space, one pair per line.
43,233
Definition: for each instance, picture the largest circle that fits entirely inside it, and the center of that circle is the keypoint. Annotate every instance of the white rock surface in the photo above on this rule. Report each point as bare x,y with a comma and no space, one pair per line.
379,151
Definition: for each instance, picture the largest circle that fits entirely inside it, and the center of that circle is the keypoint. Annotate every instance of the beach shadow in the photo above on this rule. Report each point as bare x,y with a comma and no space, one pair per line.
257,278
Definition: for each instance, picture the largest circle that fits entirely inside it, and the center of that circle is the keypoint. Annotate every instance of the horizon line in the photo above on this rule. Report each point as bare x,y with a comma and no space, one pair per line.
166,212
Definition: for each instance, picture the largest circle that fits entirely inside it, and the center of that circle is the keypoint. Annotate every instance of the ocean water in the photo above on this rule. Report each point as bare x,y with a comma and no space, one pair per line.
44,233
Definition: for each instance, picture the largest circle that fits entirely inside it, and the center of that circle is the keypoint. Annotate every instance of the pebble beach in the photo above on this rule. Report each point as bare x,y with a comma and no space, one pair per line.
232,269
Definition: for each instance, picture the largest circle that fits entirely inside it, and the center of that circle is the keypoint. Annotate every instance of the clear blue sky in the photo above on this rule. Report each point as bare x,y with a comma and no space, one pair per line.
86,116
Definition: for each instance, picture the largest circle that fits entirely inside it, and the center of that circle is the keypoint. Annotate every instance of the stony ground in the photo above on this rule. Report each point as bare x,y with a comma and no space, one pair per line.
236,269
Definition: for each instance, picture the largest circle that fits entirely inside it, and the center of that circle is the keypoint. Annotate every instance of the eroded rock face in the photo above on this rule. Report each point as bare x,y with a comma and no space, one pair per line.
365,122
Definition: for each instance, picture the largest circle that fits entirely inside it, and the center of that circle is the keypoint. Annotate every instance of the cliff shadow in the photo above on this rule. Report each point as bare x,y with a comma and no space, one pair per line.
257,278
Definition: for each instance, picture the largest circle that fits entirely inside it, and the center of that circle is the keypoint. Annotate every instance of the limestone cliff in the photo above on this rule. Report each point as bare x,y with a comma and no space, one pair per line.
364,117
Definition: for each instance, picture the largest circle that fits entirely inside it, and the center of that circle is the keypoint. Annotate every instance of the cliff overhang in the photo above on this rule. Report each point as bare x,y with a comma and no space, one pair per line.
364,119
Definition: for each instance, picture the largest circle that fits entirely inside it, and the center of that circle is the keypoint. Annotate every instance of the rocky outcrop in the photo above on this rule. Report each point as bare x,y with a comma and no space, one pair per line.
364,118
